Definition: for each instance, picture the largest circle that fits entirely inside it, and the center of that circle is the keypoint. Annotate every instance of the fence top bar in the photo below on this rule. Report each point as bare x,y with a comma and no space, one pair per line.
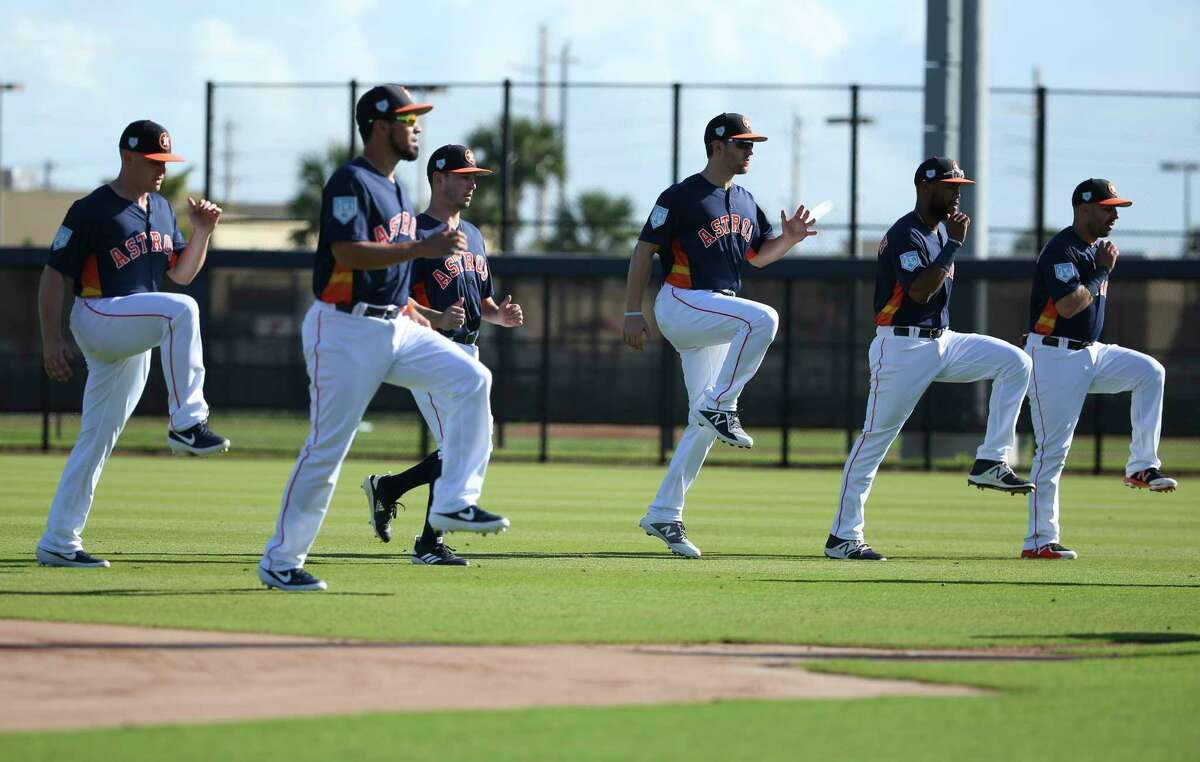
827,86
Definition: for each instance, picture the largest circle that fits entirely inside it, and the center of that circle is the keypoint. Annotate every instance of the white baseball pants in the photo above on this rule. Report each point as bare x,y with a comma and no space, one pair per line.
721,342
428,405
902,368
348,357
1061,380
116,335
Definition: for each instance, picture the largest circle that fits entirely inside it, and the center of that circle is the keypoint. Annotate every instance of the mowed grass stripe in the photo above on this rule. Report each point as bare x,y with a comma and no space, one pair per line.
185,536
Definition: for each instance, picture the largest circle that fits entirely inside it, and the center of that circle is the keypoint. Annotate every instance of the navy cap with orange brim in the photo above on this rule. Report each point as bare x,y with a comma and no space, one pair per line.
1096,190
731,126
387,99
150,139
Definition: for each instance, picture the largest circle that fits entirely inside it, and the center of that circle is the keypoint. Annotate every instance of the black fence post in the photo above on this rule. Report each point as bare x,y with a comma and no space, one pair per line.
852,296
1039,171
209,86
927,435
45,395
423,438
666,361
785,395
506,169
544,376
354,123
1098,432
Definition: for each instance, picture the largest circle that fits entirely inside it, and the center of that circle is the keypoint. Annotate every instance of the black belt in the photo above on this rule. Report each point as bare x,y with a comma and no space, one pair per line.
387,312
922,333
1064,343
468,338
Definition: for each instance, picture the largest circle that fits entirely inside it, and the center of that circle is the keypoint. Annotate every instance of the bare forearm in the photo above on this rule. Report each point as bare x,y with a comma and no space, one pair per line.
190,262
490,311
639,275
368,255
773,250
925,285
1073,303
50,304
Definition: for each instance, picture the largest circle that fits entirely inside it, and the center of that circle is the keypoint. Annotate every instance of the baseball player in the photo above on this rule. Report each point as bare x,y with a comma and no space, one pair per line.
1066,316
914,347
112,250
455,294
703,229
356,336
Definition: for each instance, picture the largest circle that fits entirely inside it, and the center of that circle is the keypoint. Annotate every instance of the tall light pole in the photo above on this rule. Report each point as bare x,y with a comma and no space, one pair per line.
4,88
1187,168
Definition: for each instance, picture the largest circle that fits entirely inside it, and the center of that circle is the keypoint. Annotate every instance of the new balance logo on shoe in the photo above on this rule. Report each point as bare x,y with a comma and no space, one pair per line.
673,534
996,474
726,425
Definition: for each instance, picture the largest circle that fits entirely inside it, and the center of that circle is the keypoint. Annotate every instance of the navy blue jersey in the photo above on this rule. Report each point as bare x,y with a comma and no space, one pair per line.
705,233
439,283
904,253
359,204
111,246
1065,262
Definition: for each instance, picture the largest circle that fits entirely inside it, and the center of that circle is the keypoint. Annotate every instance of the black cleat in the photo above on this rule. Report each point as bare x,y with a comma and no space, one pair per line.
469,519
382,510
727,426
291,581
850,550
995,474
76,560
198,440
436,553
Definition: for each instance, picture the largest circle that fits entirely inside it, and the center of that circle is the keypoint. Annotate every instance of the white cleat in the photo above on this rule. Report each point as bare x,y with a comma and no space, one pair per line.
673,534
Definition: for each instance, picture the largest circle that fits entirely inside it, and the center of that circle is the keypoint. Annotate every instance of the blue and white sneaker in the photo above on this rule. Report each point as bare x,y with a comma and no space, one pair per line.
469,519
673,534
291,581
76,560
198,440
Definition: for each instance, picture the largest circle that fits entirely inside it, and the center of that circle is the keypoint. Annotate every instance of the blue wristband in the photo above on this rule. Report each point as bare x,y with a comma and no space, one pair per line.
945,259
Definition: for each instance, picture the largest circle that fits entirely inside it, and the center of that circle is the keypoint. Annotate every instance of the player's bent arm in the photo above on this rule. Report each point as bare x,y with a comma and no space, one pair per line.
926,284
1073,303
56,352
188,265
773,250
635,328
369,255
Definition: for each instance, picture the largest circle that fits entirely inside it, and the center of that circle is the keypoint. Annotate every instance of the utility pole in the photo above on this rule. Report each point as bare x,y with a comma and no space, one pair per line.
47,169
564,67
797,157
543,67
5,87
227,162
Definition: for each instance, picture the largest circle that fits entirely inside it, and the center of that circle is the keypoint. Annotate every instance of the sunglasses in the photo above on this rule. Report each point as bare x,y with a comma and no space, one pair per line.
408,119
745,145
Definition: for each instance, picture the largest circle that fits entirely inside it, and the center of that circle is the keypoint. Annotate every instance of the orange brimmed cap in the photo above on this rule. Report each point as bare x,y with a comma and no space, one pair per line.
387,100
730,126
150,139
1095,190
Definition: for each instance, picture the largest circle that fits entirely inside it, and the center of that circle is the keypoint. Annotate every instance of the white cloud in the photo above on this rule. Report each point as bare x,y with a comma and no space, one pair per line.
56,53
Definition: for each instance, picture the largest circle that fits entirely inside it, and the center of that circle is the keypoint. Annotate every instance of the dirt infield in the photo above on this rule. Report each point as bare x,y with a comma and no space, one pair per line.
56,675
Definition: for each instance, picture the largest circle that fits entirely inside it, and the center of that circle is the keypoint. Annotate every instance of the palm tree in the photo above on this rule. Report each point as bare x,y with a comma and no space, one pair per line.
315,169
594,222
537,158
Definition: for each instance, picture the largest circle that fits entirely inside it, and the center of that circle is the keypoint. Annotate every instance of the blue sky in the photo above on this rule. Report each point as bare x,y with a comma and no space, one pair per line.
89,69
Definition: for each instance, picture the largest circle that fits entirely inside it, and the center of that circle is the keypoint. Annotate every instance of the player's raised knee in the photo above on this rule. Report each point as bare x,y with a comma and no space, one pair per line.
767,319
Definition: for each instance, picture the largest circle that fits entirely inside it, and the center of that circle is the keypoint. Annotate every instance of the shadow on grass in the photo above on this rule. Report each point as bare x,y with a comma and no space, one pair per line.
1017,583
1131,638
155,593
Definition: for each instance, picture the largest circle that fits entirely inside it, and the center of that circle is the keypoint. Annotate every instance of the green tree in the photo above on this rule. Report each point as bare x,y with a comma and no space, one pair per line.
315,169
537,158
594,222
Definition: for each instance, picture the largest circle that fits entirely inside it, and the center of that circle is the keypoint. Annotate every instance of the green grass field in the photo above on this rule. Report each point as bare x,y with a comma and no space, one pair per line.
184,537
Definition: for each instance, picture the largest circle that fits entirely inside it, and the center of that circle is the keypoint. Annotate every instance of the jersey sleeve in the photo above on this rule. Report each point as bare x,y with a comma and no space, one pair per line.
485,277
909,256
418,272
661,222
1058,272
69,247
766,231
344,209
